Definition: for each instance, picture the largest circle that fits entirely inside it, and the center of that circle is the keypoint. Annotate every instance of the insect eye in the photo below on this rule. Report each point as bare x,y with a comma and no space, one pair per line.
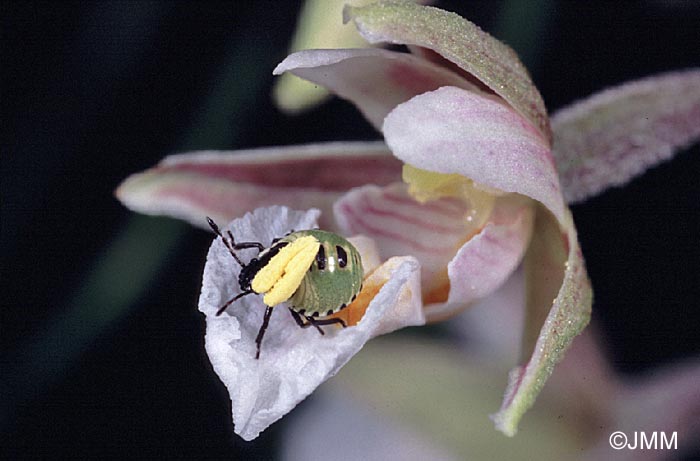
321,258
342,256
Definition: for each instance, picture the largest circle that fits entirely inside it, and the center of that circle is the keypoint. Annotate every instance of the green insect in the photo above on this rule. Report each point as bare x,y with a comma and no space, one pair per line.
318,272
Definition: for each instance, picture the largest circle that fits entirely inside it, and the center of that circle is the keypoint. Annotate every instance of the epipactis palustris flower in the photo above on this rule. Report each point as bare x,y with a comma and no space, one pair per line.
467,130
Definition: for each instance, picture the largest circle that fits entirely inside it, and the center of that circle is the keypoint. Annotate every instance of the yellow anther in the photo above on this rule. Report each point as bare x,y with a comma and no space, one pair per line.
282,275
425,186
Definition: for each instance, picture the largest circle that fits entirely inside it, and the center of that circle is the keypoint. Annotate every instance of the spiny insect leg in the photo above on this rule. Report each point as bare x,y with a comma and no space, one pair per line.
300,322
230,301
263,327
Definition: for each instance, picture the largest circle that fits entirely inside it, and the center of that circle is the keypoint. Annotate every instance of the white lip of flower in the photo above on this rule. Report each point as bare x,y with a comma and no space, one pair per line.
295,360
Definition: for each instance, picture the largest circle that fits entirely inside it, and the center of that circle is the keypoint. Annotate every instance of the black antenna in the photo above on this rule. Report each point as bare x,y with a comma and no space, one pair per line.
230,245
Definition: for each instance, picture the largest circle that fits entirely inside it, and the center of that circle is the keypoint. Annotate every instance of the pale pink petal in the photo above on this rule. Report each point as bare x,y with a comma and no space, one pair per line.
559,302
454,131
615,135
451,130
486,261
432,232
374,80
459,41
293,361
440,235
224,185
318,26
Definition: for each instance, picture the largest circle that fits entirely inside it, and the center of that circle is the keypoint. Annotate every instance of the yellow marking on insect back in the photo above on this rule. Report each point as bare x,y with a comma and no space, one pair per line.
282,275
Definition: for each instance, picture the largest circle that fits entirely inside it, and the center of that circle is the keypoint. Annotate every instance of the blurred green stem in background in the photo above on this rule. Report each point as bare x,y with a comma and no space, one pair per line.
131,262
118,278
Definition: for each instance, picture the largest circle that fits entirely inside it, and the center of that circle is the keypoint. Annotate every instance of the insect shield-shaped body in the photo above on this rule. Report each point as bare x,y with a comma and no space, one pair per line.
317,272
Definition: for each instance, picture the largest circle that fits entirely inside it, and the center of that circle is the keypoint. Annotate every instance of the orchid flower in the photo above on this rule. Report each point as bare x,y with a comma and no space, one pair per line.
485,189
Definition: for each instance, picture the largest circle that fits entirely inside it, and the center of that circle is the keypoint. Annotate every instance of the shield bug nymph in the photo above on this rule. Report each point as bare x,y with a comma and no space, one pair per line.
317,272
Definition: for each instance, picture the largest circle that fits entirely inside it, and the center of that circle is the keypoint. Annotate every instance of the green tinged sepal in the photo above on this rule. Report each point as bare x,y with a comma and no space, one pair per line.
459,41
558,309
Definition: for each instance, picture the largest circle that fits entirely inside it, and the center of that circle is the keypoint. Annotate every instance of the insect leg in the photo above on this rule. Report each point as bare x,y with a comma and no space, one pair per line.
228,244
263,327
244,245
330,321
300,322
230,301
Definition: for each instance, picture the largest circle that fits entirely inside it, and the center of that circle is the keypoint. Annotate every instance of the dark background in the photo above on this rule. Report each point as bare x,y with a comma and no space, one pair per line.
102,345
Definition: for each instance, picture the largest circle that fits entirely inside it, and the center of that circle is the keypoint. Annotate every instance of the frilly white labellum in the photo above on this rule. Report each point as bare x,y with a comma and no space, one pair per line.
294,361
